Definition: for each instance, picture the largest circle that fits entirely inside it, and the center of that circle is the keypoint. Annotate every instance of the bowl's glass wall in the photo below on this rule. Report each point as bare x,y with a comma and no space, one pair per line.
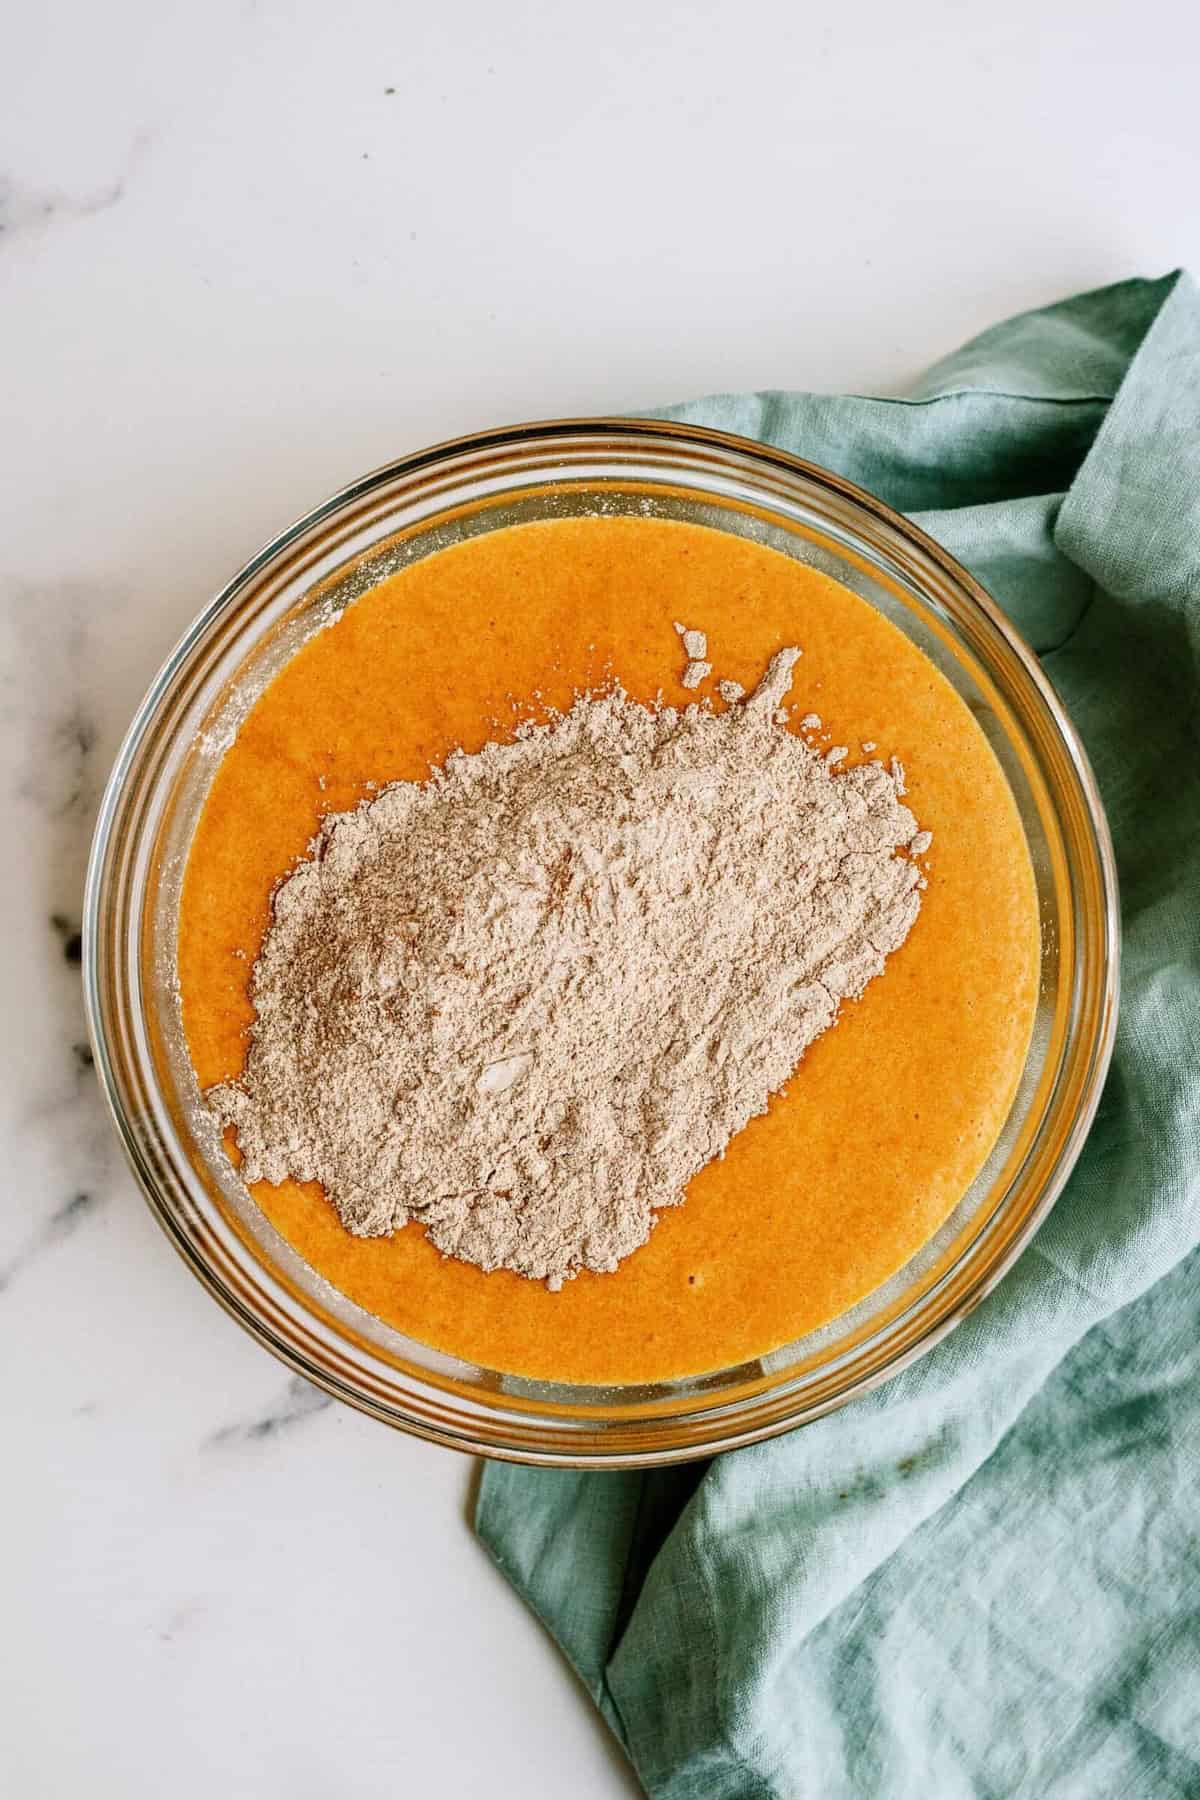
298,585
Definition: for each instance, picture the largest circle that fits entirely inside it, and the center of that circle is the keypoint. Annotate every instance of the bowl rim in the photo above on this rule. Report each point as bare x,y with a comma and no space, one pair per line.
632,430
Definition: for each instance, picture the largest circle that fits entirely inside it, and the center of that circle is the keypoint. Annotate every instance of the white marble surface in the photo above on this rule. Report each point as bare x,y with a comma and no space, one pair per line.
247,251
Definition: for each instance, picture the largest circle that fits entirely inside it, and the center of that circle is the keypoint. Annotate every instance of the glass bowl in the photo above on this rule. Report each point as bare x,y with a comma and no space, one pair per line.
410,509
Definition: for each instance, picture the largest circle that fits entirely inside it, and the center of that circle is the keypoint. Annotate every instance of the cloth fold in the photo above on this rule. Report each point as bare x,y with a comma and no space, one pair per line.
981,1578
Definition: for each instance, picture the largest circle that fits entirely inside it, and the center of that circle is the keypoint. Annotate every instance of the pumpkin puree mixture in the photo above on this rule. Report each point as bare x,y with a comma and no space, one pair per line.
890,1114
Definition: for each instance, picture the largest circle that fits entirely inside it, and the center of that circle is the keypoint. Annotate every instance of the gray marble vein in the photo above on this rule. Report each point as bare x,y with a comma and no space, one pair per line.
23,208
300,1400
27,206
55,744
62,1223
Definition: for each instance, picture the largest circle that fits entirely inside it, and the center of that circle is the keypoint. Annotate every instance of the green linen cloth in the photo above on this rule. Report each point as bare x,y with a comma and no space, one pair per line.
983,1579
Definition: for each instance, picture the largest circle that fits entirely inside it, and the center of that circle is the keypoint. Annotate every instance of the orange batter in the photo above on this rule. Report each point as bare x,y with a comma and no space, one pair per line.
891,1113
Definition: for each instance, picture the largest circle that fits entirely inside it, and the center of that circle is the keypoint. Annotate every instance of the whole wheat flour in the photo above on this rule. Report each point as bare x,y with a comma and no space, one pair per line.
525,1001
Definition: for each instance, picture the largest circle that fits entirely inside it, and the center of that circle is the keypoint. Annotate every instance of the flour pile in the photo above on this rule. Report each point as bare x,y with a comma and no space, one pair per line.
525,1001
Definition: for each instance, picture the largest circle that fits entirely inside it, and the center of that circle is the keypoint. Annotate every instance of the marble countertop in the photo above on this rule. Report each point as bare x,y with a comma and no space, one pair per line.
246,252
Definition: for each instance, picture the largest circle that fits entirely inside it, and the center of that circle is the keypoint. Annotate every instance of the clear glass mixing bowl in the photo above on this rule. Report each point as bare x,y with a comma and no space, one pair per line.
415,507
